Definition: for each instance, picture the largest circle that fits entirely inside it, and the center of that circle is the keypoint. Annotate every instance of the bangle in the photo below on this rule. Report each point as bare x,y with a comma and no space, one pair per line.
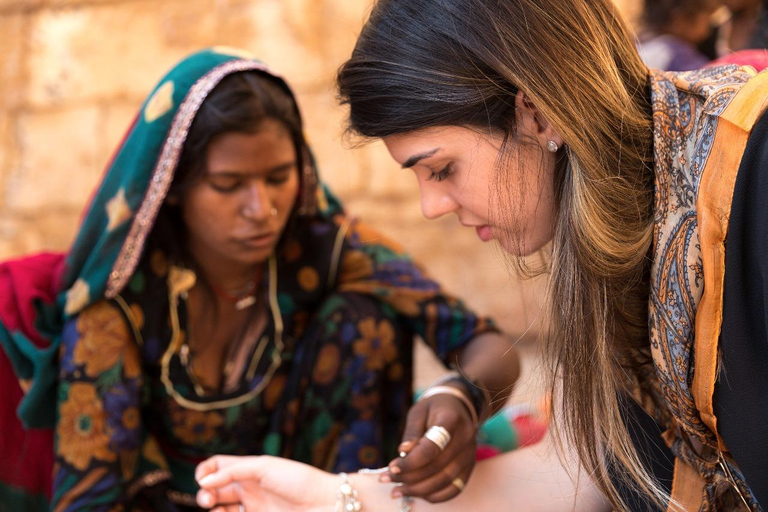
449,390
480,395
346,498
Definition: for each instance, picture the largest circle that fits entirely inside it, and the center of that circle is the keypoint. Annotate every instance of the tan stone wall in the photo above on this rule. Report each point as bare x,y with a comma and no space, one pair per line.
73,73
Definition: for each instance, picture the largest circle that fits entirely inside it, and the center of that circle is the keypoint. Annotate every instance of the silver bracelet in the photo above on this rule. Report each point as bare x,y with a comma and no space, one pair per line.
346,498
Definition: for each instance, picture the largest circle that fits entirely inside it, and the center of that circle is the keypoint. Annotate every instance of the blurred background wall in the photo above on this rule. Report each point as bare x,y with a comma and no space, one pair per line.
74,72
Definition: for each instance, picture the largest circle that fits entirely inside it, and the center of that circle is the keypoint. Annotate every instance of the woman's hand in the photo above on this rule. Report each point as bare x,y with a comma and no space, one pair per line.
427,471
264,484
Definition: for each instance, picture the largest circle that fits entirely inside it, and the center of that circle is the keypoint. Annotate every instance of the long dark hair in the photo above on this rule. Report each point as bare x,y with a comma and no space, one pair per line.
426,63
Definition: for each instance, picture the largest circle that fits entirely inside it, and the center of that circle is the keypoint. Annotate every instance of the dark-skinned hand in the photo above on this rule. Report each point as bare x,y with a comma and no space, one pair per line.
425,471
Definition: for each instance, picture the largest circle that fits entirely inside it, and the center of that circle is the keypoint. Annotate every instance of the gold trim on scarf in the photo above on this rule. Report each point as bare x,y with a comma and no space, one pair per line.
257,357
687,488
148,480
713,207
336,254
162,176
131,319
182,498
178,284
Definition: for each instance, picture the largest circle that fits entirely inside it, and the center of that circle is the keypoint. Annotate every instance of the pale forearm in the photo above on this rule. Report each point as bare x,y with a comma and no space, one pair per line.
530,479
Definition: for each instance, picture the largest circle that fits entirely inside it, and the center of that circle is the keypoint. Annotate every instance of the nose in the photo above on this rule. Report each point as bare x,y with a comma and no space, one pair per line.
435,202
257,204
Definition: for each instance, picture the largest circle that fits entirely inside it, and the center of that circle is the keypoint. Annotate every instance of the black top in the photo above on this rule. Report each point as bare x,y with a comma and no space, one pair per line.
652,450
741,392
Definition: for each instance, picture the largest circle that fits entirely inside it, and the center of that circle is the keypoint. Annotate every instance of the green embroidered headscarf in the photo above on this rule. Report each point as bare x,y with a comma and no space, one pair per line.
123,211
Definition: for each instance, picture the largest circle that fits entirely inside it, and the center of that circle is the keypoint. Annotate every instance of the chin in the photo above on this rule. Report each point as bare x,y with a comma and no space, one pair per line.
251,257
521,248
259,258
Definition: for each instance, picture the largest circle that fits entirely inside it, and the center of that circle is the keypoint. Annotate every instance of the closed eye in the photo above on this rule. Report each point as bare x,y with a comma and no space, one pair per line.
441,174
224,184
281,175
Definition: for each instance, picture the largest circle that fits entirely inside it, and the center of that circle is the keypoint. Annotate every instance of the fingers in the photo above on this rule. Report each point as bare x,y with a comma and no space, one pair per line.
441,411
463,460
440,486
213,464
450,491
228,508
415,426
427,471
206,467
207,498
230,469
423,453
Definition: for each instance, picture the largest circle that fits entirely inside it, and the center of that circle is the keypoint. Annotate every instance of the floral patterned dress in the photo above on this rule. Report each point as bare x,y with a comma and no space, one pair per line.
329,383
94,352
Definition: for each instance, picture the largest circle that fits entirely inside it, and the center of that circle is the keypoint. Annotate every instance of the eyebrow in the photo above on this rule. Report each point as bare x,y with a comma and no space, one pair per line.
421,156
278,168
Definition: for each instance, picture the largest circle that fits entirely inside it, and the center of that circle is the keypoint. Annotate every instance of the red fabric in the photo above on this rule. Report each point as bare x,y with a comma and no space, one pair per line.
530,430
758,59
486,451
26,456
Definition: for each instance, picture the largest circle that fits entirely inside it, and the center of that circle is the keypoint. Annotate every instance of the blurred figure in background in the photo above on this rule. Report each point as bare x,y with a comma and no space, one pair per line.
743,36
748,25
673,31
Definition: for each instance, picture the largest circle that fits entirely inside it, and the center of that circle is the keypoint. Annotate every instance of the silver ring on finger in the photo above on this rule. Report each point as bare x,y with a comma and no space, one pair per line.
242,508
438,435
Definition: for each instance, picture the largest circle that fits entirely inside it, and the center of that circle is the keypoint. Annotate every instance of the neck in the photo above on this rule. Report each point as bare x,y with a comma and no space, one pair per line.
234,283
228,290
224,274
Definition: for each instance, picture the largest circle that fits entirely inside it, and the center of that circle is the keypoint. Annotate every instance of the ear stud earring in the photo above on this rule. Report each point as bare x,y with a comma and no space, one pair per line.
552,146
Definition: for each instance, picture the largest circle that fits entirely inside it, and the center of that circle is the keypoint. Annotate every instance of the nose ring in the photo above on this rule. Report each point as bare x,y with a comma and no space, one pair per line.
273,211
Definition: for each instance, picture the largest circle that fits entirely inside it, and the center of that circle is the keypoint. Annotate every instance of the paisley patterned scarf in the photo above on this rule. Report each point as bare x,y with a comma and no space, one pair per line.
702,120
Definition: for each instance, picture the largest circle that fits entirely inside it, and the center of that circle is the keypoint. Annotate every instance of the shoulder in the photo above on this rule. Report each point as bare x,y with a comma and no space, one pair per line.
707,90
360,235
98,338
102,315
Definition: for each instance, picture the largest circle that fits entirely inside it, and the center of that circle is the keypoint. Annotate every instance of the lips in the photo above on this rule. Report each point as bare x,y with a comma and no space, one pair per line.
258,241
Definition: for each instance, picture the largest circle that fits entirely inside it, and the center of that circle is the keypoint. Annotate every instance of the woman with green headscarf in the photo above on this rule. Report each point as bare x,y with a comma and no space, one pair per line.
218,300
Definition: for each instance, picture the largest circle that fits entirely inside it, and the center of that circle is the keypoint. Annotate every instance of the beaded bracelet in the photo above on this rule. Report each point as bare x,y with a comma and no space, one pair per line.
346,498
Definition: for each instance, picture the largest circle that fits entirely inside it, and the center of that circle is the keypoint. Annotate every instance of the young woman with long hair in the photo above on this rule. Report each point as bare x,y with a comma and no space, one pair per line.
536,120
